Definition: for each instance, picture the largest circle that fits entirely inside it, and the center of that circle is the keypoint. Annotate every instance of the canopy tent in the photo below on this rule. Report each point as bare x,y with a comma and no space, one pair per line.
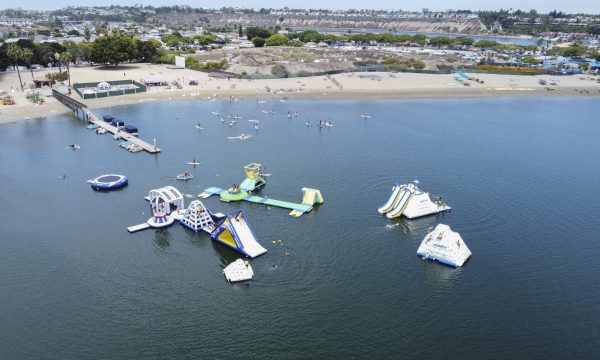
103,86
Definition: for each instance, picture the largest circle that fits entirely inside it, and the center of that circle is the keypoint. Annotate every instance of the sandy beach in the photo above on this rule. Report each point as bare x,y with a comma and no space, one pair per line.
341,86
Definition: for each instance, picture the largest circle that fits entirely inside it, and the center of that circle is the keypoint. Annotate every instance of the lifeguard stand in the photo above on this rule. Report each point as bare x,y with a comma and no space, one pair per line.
254,180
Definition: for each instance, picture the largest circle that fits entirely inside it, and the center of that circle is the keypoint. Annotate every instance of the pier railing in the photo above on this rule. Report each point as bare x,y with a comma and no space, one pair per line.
68,101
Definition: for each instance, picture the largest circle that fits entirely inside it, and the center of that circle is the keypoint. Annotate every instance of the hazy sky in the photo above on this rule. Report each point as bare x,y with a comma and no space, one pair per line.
571,6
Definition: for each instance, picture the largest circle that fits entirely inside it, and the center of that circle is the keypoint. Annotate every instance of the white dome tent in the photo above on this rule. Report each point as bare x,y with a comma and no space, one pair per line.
103,86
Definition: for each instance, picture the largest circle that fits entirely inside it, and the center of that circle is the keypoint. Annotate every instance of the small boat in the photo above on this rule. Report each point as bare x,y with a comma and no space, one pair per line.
125,144
308,124
184,176
101,131
215,113
199,127
254,121
92,126
365,116
239,137
256,127
239,270
73,147
194,162
135,148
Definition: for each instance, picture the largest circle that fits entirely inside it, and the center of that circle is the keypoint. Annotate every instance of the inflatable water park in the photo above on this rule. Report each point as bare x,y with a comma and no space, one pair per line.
254,181
410,201
232,230
442,244
445,246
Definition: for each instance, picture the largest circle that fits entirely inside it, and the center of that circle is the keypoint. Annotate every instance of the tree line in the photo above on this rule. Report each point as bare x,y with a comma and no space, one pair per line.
110,49
269,37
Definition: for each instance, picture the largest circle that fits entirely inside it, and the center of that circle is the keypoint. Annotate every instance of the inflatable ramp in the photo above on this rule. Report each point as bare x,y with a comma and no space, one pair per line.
405,196
393,200
309,198
235,232
410,201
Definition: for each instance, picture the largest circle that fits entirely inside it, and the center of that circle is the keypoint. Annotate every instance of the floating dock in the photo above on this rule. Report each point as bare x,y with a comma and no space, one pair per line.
122,134
136,228
79,107
297,209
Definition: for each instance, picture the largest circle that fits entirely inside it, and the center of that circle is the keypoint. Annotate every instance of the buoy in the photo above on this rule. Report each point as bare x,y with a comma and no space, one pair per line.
287,253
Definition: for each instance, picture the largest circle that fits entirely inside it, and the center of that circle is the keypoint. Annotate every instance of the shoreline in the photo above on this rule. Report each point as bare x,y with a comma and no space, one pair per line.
54,108
347,86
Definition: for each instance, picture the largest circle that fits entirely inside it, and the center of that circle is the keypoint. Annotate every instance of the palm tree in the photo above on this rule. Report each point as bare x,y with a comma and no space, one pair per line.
65,59
87,34
56,57
27,55
15,53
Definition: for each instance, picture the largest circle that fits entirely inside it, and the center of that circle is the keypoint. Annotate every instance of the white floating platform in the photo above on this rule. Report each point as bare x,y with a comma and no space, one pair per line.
445,246
136,228
238,270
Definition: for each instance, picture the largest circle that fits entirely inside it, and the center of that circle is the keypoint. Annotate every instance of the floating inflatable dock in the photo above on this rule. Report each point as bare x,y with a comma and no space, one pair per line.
297,209
254,181
445,246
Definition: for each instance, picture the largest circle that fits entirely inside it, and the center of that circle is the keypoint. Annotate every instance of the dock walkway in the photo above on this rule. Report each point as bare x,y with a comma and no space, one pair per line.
122,134
297,208
79,107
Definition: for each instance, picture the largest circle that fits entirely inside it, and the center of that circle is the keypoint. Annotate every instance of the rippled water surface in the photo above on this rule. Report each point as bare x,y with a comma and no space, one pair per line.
521,175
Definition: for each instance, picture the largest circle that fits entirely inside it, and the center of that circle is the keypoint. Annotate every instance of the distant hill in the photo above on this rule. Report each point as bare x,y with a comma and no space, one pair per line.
434,25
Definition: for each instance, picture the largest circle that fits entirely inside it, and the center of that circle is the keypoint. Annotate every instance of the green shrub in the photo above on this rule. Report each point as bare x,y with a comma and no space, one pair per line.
259,42
278,70
58,76
444,67
277,40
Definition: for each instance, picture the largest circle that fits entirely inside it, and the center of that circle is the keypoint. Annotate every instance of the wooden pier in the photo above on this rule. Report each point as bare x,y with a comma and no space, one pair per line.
80,108
92,118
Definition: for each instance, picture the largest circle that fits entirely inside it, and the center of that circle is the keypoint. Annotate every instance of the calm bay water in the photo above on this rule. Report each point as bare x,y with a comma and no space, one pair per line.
521,175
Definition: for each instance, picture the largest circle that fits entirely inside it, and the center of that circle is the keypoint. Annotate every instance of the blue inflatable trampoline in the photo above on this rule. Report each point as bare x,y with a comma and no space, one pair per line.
108,182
